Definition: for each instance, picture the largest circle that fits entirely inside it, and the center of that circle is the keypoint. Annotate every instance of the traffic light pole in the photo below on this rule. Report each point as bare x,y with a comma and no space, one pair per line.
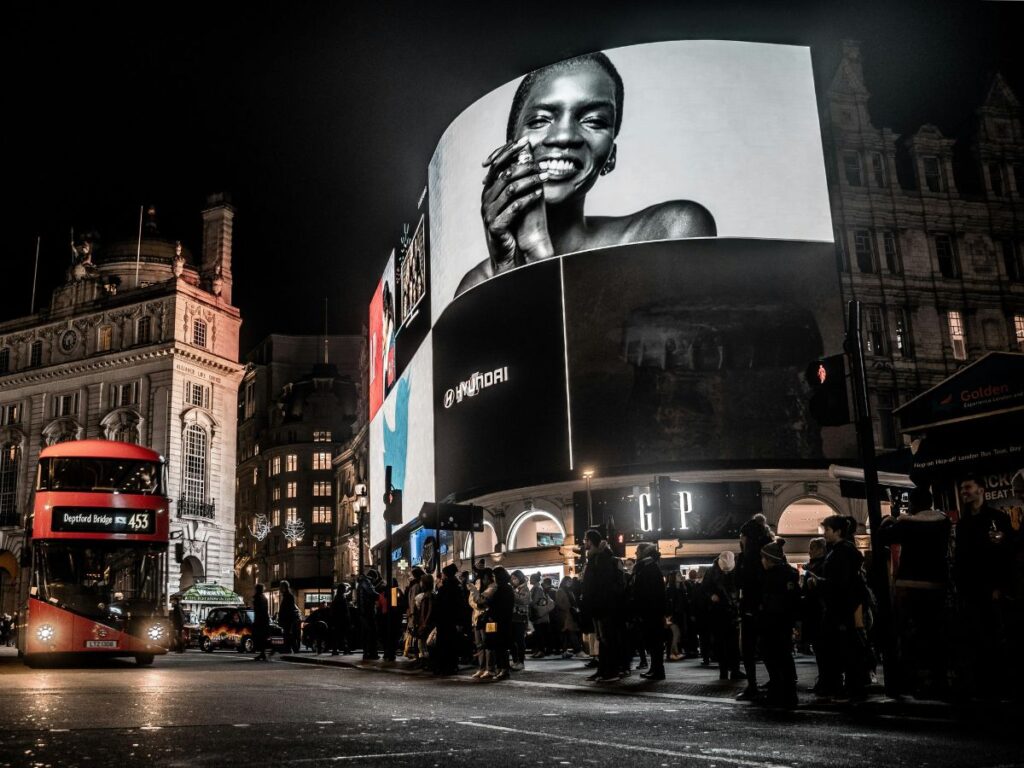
866,440
389,635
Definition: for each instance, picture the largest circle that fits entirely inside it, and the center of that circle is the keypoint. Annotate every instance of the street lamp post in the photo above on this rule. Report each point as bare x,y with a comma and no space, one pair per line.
587,475
361,504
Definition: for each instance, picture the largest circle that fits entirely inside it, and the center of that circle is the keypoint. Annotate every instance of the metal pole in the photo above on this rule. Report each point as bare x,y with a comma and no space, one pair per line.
866,439
389,635
138,250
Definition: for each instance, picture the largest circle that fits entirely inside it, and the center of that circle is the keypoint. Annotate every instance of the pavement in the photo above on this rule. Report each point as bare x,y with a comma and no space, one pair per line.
685,679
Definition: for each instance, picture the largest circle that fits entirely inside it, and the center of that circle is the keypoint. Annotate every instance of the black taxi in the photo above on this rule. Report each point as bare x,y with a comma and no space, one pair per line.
232,627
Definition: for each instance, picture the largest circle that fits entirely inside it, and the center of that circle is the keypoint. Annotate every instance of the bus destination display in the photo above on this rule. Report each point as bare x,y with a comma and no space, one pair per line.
103,520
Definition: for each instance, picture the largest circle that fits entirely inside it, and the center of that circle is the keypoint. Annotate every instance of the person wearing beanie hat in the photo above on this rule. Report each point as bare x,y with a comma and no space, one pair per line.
754,534
780,605
720,598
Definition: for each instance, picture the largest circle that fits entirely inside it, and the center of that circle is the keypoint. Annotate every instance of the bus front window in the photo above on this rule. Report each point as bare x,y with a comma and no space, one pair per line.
101,475
100,580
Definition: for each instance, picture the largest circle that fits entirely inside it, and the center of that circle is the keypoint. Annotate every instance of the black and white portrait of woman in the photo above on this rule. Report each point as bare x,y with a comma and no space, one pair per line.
560,142
670,141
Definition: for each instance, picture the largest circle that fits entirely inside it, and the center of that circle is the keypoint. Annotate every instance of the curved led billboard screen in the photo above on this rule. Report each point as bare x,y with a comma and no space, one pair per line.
630,265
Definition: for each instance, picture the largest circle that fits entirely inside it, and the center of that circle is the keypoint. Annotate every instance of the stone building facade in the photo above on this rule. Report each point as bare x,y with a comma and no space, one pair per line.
929,234
140,344
297,404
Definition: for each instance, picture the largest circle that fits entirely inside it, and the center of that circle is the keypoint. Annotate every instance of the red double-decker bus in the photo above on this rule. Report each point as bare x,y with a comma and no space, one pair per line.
98,537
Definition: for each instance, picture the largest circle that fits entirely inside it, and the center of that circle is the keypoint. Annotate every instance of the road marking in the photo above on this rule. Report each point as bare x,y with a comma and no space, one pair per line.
718,758
378,756
240,725
324,722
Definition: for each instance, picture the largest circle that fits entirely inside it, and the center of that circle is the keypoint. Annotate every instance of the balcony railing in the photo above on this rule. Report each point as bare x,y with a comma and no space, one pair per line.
192,509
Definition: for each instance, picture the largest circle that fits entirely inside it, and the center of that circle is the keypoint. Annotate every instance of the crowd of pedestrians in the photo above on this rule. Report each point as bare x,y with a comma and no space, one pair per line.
956,598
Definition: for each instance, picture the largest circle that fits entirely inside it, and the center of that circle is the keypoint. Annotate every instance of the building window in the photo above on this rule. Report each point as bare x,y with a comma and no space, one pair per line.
902,329
255,476
949,264
122,395
275,493
995,176
322,488
878,168
320,541
291,463
321,437
277,570
65,405
841,261
874,331
10,414
885,422
321,515
142,330
104,338
193,485
250,399
322,460
35,354
1011,260
197,395
864,249
275,466
1018,329
956,335
292,490
893,263
5,360
851,168
291,514
126,431
10,458
275,517
199,332
933,178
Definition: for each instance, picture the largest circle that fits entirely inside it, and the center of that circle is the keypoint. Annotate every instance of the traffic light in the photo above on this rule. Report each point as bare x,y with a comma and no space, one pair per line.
393,506
829,404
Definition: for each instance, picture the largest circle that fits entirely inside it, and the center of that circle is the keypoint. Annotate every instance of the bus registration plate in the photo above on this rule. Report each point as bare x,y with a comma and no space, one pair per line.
101,643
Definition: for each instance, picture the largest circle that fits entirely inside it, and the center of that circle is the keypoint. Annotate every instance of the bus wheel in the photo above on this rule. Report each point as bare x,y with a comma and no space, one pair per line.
247,646
144,659
206,645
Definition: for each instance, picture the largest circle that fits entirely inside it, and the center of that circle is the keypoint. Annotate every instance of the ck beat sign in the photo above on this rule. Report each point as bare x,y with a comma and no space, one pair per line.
678,504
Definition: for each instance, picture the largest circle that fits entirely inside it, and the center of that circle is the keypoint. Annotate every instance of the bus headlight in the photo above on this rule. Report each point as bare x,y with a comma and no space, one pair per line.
156,632
45,633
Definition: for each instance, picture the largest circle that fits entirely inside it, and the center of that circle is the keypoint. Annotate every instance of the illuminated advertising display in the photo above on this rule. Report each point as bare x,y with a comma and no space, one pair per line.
383,328
402,437
630,266
651,142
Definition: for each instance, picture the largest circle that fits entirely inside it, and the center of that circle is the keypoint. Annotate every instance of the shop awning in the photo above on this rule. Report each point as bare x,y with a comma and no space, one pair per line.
209,593
992,386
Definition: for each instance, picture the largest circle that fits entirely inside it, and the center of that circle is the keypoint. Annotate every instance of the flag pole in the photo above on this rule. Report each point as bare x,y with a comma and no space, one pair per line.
35,275
138,250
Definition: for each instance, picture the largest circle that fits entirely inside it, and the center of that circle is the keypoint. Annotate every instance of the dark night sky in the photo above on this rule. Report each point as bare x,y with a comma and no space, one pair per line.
320,118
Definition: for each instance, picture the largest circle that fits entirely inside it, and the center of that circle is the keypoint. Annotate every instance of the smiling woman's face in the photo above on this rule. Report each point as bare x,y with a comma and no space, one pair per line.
569,117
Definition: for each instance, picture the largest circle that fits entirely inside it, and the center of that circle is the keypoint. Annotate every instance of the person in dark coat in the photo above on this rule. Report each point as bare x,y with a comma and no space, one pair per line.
722,614
780,604
754,534
812,606
289,618
649,604
367,597
982,567
260,622
501,607
340,621
920,582
177,625
842,656
675,612
604,586
446,614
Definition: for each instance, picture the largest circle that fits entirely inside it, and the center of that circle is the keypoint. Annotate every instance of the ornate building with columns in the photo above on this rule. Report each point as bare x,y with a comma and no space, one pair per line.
140,344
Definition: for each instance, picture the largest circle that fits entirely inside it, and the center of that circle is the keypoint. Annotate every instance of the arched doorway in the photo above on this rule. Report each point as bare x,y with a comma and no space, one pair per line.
535,528
8,583
803,517
484,543
191,572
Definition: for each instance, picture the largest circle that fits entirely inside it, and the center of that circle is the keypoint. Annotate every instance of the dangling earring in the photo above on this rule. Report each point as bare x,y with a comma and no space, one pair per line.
609,165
